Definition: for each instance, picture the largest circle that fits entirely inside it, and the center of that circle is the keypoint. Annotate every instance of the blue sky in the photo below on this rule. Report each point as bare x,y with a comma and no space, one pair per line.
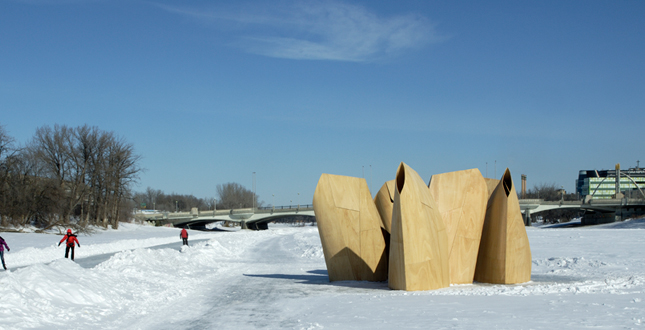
209,92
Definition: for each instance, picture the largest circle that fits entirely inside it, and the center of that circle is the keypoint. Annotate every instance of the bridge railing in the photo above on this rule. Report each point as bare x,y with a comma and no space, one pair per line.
530,200
164,216
286,207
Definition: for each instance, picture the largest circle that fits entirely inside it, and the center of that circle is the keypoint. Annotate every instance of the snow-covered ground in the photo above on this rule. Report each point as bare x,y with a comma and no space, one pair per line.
139,277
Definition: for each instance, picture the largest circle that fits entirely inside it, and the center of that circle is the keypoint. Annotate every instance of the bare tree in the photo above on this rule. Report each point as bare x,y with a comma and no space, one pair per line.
7,149
6,145
97,177
209,203
233,195
113,168
27,195
86,151
53,151
35,198
123,171
151,196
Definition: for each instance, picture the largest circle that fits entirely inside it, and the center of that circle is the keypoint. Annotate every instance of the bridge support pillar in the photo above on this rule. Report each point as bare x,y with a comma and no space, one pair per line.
243,225
527,218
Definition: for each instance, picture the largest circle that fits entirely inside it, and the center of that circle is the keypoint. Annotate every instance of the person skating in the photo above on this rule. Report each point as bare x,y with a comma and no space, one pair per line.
70,239
3,244
184,236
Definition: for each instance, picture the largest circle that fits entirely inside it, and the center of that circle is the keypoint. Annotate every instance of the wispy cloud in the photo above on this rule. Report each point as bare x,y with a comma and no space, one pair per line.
54,2
318,30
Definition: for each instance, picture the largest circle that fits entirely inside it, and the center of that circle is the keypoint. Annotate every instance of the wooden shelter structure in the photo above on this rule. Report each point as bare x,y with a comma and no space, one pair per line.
418,239
461,198
504,252
350,229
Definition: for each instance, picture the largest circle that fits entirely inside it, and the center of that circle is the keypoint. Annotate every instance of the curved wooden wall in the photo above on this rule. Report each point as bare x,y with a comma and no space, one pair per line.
350,229
491,184
504,252
384,201
461,198
418,241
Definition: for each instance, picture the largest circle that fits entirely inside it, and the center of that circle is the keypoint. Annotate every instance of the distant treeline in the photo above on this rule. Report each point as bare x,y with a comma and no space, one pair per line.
67,176
153,199
549,192
230,196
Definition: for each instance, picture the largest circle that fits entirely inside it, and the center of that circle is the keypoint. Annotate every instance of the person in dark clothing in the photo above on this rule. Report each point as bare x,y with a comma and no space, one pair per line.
70,239
3,244
184,236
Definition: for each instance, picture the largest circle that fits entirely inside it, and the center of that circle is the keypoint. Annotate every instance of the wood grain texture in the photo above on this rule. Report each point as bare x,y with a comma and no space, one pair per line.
418,241
350,229
504,252
461,198
491,184
384,202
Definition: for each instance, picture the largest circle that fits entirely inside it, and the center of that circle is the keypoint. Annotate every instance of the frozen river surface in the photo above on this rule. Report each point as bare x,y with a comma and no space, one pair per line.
139,277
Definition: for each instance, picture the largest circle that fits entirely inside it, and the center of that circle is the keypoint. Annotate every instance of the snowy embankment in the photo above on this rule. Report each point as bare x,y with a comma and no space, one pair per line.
586,277
28,248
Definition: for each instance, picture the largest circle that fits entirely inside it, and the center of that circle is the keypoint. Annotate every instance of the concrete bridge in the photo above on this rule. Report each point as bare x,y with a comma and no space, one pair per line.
248,218
607,210
619,208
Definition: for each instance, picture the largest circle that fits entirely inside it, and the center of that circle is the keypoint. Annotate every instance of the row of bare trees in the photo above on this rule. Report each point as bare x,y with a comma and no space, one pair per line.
67,175
153,199
230,196
233,195
549,192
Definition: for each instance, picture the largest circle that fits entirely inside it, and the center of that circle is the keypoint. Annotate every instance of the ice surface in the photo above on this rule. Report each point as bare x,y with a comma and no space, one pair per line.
140,277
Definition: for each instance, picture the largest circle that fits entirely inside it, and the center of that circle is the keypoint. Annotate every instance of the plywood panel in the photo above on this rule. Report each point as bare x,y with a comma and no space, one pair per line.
504,252
461,198
518,250
373,246
491,184
350,229
418,241
384,201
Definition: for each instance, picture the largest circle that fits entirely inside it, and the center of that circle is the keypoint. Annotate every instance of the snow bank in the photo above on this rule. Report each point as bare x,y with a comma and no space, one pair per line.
31,248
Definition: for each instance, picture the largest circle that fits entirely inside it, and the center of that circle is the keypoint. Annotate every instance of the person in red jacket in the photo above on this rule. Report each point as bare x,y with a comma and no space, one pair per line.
70,239
184,236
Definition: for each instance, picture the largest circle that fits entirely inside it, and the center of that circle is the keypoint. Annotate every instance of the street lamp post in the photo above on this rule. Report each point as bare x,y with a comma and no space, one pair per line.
370,189
254,192
176,207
